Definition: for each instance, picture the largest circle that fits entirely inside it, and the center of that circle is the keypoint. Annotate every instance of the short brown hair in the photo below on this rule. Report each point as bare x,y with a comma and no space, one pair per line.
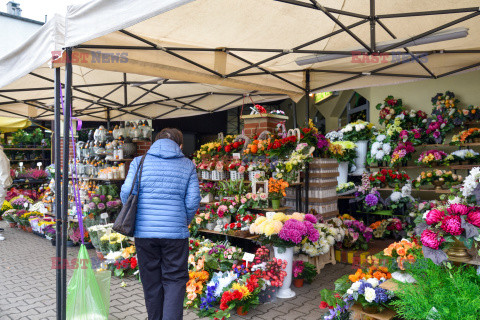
172,134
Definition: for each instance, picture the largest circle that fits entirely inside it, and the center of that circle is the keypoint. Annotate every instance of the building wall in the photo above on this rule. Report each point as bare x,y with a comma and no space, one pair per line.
415,95
14,32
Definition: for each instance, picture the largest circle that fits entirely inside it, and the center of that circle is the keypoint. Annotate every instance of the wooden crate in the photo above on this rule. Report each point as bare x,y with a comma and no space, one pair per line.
319,261
359,314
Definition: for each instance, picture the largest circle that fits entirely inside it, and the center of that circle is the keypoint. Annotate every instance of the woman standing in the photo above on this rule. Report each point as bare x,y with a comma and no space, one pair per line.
169,196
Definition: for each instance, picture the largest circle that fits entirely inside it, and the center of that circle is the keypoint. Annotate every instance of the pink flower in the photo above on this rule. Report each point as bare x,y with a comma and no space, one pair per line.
458,209
434,216
243,200
474,218
452,225
311,218
431,239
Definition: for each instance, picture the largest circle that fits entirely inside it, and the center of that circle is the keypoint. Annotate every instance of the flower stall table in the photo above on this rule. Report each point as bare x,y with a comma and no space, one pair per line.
319,261
251,237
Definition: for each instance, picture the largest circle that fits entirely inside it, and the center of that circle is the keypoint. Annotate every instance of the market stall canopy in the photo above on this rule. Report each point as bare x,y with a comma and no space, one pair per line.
98,95
284,47
260,44
9,124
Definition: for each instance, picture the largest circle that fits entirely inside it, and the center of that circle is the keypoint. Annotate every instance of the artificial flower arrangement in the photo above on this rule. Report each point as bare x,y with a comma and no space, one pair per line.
290,169
415,136
329,233
413,120
465,136
257,148
276,189
437,129
393,129
463,155
21,202
357,235
388,177
334,136
447,226
368,196
446,105
390,108
242,295
387,227
281,147
35,174
303,272
357,131
432,157
285,231
471,113
398,253
343,151
207,188
100,203
402,153
400,201
469,186
437,178
380,150
345,187
111,242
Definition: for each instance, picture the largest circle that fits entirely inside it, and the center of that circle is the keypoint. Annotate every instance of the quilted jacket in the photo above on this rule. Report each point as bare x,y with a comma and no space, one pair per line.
169,194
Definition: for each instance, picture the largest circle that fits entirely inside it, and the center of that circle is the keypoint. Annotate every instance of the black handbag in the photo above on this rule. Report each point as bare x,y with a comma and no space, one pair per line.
125,222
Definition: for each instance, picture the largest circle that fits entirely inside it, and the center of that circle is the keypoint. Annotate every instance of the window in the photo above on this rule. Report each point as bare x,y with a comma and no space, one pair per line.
357,108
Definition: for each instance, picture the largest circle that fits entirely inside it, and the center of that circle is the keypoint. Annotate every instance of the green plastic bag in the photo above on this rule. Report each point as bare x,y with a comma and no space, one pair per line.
88,293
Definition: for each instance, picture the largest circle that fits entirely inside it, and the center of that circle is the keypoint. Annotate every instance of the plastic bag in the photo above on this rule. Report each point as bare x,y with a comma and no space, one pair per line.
88,293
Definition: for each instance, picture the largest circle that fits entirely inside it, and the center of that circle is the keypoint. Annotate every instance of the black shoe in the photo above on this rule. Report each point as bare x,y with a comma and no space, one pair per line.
1,229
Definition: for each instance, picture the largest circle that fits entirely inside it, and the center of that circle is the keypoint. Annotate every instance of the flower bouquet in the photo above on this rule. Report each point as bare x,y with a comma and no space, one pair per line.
402,153
387,227
329,233
438,178
243,295
357,131
471,113
400,252
390,177
432,157
345,187
465,136
455,226
276,191
389,109
380,151
369,295
357,235
464,155
470,186
343,151
289,170
437,129
446,105
334,136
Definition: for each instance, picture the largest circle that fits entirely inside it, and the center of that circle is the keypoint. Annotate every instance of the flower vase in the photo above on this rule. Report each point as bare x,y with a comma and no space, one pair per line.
361,159
275,204
298,283
458,252
438,184
285,254
226,220
342,172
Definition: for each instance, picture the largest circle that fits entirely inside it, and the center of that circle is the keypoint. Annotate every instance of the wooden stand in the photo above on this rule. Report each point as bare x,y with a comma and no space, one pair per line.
359,314
319,261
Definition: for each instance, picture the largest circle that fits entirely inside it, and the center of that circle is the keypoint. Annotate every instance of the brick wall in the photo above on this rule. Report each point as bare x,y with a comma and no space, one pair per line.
142,147
70,154
256,124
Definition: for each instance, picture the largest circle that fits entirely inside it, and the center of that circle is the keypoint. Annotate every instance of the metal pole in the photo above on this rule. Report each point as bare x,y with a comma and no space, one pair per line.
108,119
294,111
373,43
66,149
307,95
58,191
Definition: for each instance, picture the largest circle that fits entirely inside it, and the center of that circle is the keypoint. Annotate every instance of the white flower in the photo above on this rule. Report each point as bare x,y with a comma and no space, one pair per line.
370,294
358,127
331,240
388,117
387,148
356,285
442,125
396,196
380,154
381,137
374,282
456,200
376,146
350,291
407,190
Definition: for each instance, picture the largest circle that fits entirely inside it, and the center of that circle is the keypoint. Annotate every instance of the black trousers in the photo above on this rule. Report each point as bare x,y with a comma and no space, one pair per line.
163,265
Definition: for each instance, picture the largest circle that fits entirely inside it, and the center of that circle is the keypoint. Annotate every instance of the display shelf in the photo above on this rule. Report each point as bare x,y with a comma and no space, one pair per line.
419,190
30,160
281,209
453,167
119,160
252,237
386,314
346,197
321,200
26,149
97,179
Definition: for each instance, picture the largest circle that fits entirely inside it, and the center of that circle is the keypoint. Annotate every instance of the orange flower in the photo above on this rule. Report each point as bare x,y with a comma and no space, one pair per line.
401,251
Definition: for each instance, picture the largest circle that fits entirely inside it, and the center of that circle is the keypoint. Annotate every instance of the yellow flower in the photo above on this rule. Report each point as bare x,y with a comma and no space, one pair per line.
242,288
298,216
279,216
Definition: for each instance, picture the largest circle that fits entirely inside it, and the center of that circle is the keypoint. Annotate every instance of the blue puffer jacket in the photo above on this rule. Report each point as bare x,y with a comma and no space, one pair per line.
169,193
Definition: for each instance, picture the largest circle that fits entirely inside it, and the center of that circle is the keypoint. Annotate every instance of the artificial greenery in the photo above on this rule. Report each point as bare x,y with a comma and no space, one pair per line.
309,272
233,188
440,293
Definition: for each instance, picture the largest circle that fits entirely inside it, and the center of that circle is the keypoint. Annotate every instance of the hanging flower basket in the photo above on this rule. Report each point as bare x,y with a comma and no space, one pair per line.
207,175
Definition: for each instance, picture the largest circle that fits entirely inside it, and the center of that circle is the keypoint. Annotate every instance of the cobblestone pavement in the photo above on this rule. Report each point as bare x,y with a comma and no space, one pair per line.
27,286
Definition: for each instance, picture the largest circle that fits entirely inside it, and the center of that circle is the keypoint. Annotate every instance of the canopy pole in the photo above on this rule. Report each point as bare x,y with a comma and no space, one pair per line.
58,190
294,111
66,157
307,95
108,119
373,40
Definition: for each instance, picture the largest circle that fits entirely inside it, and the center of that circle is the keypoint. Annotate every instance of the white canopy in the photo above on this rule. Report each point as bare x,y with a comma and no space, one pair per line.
254,44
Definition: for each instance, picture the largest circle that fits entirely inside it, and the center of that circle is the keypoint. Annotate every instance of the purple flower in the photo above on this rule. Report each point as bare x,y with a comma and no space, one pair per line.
371,200
91,205
380,295
312,233
293,230
363,286
311,218
101,206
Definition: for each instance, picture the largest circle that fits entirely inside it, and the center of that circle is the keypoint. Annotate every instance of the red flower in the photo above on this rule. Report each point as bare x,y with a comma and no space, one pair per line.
306,130
237,295
228,148
323,305
371,178
133,263
236,145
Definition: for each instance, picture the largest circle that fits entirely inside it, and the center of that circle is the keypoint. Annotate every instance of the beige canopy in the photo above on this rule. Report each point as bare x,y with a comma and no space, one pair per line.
259,45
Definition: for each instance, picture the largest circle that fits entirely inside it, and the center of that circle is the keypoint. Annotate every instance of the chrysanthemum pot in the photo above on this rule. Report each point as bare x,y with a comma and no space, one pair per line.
241,311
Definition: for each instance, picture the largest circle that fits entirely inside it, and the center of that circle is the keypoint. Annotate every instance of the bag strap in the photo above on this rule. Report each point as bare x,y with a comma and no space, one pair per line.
140,167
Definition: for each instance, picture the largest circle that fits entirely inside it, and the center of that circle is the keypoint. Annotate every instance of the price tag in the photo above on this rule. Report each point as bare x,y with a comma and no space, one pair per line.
43,210
104,215
236,155
108,232
25,205
20,164
21,196
248,257
39,164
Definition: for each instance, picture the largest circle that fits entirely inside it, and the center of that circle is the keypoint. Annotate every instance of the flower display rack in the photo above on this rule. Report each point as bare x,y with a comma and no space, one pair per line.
319,261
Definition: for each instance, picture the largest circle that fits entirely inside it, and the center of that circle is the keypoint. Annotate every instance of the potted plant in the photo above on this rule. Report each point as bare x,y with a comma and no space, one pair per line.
345,153
276,191
303,272
359,132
